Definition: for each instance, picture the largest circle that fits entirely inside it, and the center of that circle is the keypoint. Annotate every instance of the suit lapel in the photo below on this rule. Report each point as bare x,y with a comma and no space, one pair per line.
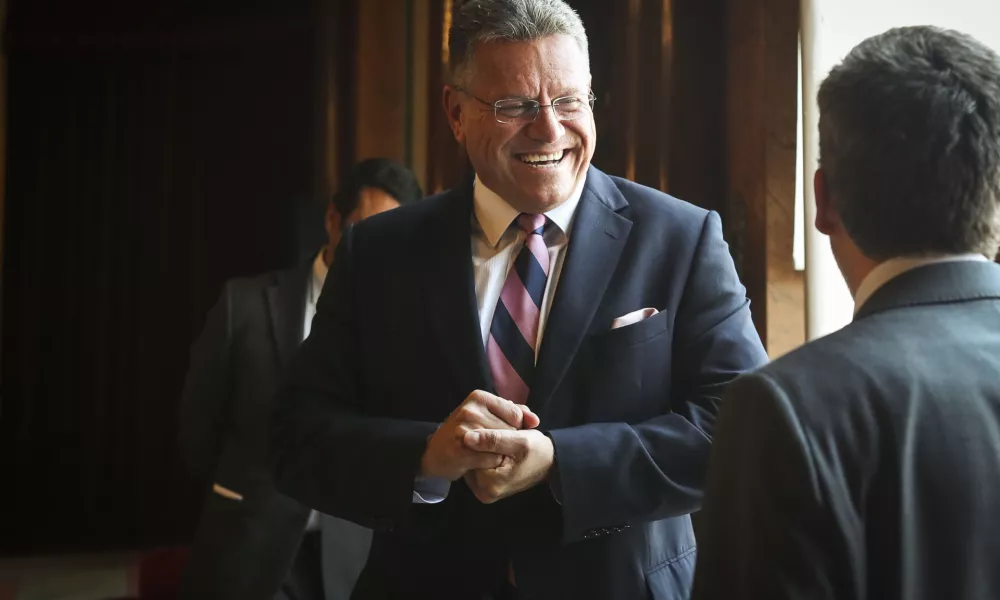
597,238
286,303
451,292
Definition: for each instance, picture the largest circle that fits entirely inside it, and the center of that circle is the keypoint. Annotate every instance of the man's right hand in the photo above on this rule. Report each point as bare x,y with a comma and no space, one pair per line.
446,455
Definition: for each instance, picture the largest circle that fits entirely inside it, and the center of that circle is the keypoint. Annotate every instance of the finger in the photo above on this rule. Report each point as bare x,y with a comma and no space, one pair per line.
476,413
509,443
476,416
529,419
483,460
506,410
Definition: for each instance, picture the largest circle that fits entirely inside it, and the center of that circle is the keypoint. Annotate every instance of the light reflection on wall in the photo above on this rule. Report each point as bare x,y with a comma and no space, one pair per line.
830,28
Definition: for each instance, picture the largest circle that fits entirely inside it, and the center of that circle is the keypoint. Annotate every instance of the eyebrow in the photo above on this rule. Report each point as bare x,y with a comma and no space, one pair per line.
515,97
562,94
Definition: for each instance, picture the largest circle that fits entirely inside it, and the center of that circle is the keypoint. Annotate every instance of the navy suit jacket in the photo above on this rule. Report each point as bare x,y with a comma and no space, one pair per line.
396,346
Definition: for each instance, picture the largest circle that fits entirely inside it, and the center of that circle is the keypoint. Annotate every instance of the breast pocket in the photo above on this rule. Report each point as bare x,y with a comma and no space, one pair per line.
630,335
628,372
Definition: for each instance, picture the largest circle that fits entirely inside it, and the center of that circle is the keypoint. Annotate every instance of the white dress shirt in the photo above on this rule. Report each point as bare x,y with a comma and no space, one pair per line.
316,281
894,267
495,246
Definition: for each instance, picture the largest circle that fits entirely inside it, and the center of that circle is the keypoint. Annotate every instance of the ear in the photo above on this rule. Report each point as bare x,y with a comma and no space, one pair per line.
827,218
452,102
332,224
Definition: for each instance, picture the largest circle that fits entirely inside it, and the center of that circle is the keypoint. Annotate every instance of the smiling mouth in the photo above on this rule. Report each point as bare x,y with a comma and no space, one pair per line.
540,161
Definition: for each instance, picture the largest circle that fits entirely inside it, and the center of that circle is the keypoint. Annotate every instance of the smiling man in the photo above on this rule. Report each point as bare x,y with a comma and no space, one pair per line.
515,383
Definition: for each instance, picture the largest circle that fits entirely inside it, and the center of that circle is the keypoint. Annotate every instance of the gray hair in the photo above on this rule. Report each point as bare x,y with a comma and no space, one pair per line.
910,143
486,21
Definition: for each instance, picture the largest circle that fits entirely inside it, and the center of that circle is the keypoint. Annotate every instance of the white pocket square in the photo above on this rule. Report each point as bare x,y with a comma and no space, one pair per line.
227,493
633,317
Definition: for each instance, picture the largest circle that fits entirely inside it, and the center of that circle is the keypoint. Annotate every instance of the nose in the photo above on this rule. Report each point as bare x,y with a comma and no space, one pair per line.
546,128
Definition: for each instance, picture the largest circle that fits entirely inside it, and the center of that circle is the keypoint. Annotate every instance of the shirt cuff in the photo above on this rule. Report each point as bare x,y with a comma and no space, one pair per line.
430,490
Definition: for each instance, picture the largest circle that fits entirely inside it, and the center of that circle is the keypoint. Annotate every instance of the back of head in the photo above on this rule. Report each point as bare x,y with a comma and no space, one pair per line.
488,21
380,173
910,144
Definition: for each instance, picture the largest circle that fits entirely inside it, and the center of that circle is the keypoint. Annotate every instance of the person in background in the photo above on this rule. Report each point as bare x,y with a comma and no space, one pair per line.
866,464
254,543
514,383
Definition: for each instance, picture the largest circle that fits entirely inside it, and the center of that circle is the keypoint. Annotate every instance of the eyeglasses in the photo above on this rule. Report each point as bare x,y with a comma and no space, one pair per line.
520,110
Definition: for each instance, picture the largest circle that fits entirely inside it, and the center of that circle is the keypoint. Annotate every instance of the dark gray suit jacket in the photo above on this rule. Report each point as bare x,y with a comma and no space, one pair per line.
244,548
396,346
866,465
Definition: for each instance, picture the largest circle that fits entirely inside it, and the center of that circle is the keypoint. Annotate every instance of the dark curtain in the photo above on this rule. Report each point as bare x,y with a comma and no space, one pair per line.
151,156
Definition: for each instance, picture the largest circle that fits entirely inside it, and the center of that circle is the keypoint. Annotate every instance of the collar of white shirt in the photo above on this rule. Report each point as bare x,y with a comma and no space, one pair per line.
319,270
894,267
495,215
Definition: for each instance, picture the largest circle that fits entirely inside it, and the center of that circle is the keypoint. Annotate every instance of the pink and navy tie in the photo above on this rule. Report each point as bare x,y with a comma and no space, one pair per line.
510,348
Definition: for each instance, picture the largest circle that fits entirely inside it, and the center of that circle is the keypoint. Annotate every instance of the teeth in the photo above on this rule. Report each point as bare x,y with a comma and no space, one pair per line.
537,158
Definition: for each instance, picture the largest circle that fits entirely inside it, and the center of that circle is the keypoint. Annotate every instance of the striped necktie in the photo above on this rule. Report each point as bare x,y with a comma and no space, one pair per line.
510,349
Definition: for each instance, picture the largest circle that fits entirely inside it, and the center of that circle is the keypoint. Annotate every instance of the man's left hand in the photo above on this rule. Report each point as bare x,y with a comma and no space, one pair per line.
531,456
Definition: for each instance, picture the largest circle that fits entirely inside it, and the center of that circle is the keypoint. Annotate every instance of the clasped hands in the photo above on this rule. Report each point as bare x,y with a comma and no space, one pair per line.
492,443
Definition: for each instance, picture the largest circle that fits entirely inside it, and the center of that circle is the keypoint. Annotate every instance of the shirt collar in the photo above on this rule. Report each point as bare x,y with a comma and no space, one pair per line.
495,215
894,267
318,278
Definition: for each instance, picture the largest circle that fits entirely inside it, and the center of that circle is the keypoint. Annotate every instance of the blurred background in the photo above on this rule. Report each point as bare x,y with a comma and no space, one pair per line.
152,150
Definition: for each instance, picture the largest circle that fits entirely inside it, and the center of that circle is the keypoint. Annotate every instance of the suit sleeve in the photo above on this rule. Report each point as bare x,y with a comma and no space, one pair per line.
206,393
327,451
777,523
616,474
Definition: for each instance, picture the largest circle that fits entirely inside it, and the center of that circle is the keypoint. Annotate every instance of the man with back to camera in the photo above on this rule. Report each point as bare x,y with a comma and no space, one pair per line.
253,542
514,383
866,464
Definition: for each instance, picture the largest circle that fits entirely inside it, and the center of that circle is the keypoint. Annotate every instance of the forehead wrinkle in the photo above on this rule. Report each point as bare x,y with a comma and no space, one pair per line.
534,70
527,89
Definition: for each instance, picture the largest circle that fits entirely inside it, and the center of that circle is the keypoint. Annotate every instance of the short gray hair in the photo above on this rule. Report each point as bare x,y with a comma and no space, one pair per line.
485,21
909,139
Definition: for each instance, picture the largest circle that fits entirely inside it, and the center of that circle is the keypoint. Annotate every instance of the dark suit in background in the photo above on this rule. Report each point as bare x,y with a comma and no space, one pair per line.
396,345
873,468
245,547
253,542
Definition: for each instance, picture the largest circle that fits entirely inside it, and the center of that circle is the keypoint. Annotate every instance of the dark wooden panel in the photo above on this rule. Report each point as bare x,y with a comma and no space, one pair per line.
335,36
447,163
762,46
141,176
697,134
659,71
380,81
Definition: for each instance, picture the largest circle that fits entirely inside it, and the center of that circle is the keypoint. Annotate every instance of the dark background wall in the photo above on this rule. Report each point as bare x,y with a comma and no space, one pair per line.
153,151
